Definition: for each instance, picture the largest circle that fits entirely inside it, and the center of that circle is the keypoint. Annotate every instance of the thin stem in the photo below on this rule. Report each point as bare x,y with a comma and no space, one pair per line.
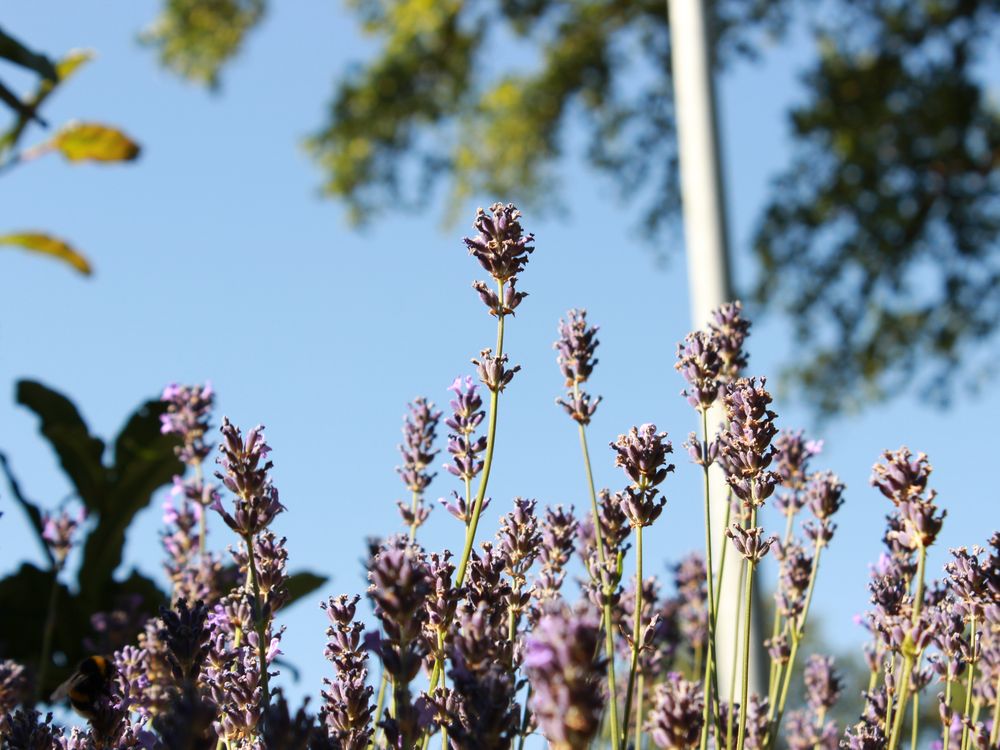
968,684
775,670
199,476
260,624
736,654
473,524
908,657
48,632
996,715
638,710
414,502
915,729
379,705
797,633
946,735
820,718
748,604
636,633
607,622
708,681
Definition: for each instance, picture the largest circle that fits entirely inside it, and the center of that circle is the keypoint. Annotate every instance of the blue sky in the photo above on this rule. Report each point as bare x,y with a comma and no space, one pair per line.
217,259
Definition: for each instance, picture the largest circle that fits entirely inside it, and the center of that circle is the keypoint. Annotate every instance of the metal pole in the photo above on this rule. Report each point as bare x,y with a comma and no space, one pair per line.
705,231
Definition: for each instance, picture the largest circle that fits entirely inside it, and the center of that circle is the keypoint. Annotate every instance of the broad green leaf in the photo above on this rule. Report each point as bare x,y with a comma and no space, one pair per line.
11,49
46,244
80,454
144,461
90,141
300,585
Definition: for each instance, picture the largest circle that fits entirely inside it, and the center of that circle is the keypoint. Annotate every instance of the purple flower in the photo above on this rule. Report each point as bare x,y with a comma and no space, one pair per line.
675,719
501,246
642,454
458,507
498,306
729,329
467,414
698,361
419,432
746,445
794,572
493,371
566,699
559,530
748,542
59,533
347,709
245,474
13,685
901,477
189,408
576,346
823,684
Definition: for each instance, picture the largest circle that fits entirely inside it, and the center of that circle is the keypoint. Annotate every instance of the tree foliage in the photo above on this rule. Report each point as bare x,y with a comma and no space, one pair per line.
880,236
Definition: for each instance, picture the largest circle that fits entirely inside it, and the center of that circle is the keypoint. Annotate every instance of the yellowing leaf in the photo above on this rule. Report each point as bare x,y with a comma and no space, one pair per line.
46,244
69,64
89,141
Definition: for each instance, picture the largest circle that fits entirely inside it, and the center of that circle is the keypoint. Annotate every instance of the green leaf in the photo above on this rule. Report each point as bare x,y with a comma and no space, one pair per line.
12,50
144,461
300,585
46,244
80,453
91,141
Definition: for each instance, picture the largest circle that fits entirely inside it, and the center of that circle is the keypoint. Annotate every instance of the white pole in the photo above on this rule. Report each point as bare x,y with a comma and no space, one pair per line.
705,231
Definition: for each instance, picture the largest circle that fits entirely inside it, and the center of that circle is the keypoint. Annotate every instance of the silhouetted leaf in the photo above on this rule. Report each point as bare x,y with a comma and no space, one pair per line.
300,585
80,454
30,508
46,244
144,460
90,141
12,50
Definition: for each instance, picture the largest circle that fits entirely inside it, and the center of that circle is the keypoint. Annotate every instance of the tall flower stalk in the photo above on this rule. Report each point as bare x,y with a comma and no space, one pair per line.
417,451
245,473
699,362
749,452
576,346
642,454
502,248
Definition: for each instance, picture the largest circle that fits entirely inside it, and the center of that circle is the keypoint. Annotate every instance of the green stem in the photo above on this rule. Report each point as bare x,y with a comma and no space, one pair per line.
994,734
609,636
199,476
260,625
748,604
379,705
48,632
414,500
638,710
736,653
915,729
968,684
775,670
709,681
904,683
946,736
820,718
636,633
473,524
797,633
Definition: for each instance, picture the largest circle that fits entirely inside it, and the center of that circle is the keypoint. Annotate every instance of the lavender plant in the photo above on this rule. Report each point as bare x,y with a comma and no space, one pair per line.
507,642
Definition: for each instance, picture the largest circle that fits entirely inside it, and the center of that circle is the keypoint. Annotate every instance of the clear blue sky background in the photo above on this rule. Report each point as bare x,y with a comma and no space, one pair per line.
216,258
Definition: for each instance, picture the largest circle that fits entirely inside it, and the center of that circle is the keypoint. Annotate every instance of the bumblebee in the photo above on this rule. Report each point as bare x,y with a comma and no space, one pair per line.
90,682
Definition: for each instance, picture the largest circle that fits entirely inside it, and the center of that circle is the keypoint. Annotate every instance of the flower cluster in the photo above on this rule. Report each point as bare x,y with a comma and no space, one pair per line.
576,346
642,455
417,450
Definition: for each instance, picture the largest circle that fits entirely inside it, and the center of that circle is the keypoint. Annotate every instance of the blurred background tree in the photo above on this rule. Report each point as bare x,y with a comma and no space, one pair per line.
880,238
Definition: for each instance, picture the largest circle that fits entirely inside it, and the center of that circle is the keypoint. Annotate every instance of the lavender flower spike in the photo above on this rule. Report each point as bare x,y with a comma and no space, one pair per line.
698,361
245,474
567,699
729,329
675,720
59,533
642,454
188,411
419,432
500,246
